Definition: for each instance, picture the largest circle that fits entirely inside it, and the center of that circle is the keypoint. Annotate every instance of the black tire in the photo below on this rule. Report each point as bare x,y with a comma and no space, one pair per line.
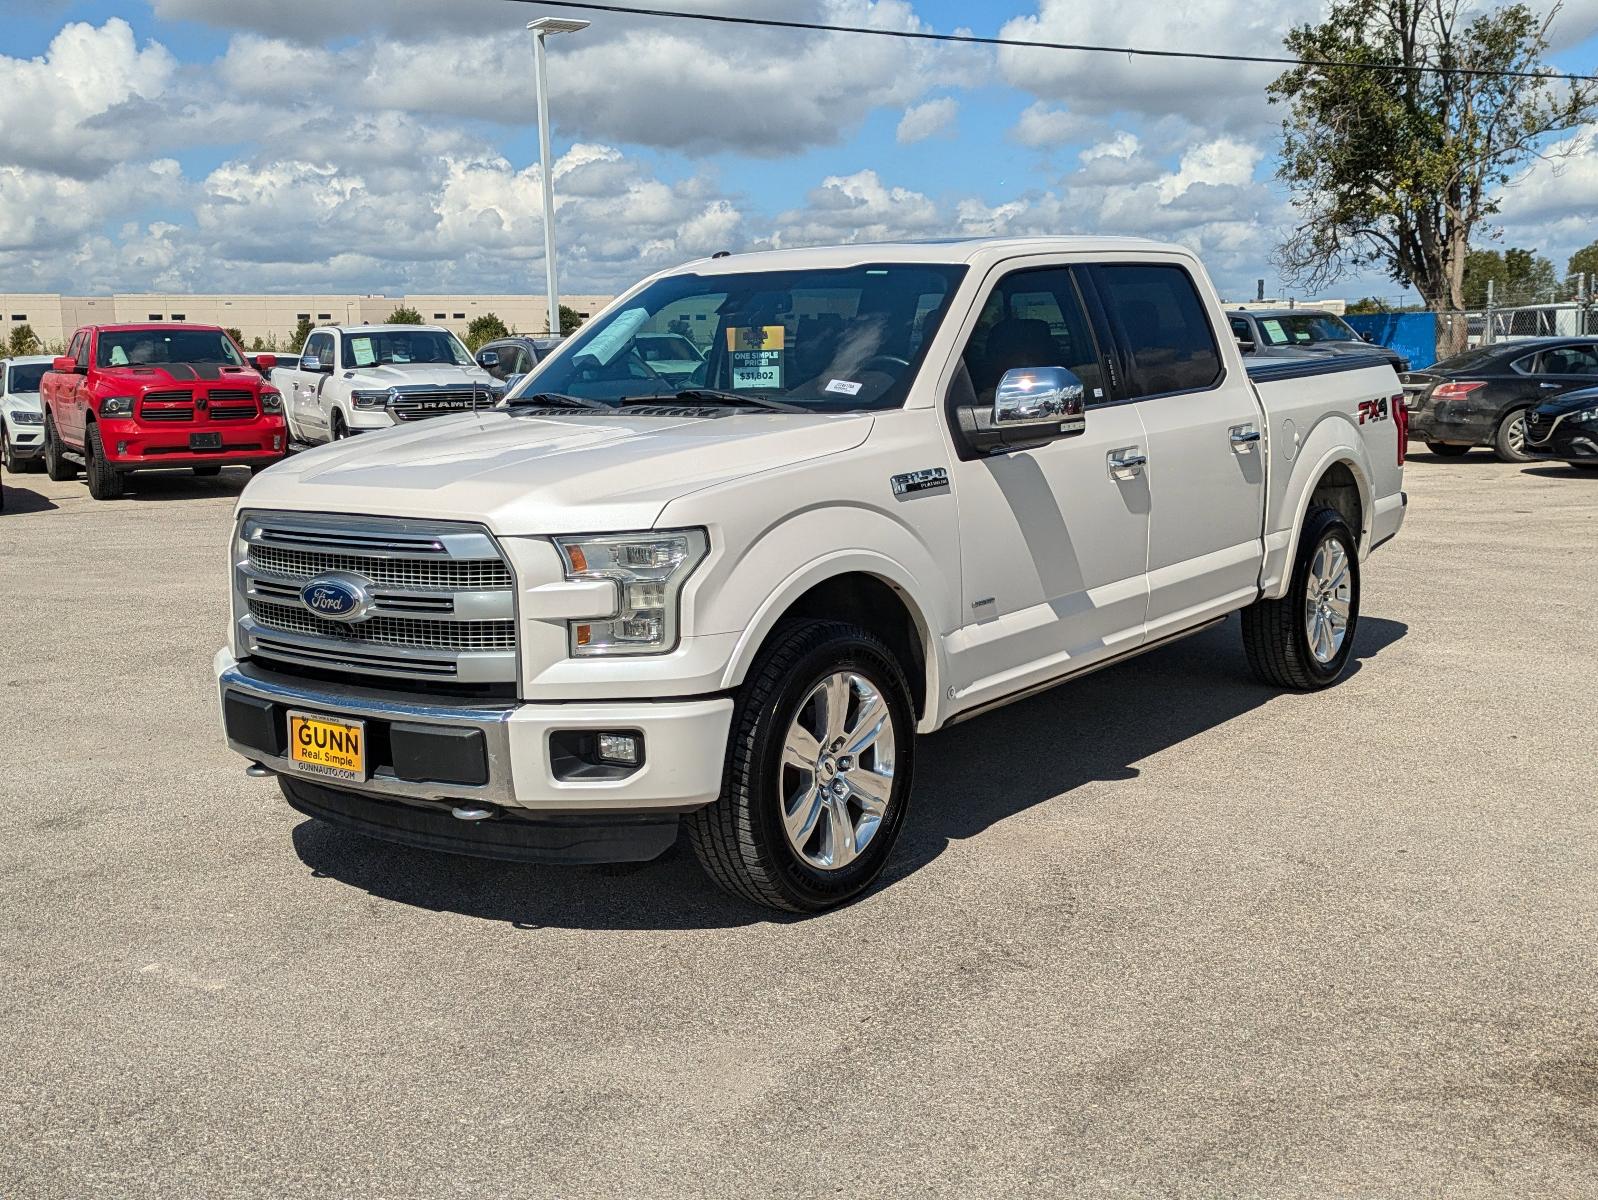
740,839
206,472
105,481
8,458
1504,437
1448,449
1275,634
56,466
337,427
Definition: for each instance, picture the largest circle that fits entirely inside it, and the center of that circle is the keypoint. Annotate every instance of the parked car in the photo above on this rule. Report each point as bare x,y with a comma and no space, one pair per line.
510,356
355,378
1277,331
127,398
22,412
1566,430
1483,396
907,484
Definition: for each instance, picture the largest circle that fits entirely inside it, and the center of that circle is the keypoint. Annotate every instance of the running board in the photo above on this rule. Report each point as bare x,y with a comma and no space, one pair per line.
1056,680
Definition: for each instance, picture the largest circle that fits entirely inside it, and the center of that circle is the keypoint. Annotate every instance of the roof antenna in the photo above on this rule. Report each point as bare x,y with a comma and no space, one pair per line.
722,254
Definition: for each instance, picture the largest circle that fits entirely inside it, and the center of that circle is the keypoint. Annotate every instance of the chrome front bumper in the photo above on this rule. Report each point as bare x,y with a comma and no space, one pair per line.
685,743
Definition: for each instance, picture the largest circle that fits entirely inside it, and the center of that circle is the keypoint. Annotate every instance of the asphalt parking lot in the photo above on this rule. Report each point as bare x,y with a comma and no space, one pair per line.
1157,932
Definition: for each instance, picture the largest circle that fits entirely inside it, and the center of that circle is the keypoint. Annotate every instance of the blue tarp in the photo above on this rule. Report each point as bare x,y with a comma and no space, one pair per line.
1414,335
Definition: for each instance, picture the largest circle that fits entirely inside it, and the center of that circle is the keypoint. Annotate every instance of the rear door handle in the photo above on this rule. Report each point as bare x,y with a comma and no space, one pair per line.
1244,435
1129,459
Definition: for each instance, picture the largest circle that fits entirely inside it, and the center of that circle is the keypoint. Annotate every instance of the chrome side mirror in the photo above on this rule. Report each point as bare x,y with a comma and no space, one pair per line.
310,362
487,358
1035,397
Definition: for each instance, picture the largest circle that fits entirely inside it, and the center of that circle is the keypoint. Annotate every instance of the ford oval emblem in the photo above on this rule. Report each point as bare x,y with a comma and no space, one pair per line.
334,598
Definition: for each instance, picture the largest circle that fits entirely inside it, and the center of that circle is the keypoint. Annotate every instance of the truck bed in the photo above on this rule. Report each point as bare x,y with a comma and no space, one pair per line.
1269,370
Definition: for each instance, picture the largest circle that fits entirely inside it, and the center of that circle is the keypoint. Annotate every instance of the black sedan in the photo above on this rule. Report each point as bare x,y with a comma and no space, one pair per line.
1566,429
1483,396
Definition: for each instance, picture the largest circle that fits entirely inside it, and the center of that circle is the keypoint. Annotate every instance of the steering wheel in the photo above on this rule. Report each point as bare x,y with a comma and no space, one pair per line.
893,362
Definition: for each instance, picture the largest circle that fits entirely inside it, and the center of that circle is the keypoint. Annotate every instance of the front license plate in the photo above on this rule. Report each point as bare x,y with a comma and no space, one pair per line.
324,746
205,441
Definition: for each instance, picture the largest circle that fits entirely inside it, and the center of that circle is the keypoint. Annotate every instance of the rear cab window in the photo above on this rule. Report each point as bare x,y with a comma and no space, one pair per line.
1163,328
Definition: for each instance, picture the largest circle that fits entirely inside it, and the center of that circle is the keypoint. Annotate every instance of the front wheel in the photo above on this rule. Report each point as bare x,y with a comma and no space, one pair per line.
1509,443
105,481
817,778
56,465
1448,449
8,456
1304,640
339,428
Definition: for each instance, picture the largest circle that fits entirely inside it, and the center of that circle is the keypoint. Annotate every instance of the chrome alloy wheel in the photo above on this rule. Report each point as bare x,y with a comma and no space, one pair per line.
836,775
1328,595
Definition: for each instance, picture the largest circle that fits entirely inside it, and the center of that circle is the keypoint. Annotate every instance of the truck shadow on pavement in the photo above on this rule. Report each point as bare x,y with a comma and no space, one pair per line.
185,485
968,778
21,500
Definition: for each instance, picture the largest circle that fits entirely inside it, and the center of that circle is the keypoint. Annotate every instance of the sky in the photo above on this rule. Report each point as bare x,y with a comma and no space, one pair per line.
390,146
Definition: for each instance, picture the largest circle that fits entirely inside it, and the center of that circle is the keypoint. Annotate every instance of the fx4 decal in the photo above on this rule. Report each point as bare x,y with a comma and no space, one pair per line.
1373,410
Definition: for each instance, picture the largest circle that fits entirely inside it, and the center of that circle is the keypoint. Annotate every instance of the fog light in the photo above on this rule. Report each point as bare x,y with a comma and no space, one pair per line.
619,748
277,441
122,448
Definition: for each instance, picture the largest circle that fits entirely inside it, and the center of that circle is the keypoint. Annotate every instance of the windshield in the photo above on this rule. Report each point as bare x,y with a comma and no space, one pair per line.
402,346
132,348
1302,331
829,341
26,378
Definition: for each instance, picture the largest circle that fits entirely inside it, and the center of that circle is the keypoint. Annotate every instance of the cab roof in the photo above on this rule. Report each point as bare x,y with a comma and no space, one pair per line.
937,251
381,328
152,326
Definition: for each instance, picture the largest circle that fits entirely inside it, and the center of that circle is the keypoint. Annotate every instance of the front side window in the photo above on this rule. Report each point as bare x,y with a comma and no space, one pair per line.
1161,323
320,347
1032,319
828,340
1240,330
141,347
1568,360
79,349
405,347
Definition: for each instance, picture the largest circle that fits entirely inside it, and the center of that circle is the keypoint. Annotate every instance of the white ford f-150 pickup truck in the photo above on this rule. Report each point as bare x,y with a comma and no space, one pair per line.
356,378
906,484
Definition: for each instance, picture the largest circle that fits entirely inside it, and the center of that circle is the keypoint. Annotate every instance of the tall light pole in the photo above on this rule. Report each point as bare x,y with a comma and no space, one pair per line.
541,29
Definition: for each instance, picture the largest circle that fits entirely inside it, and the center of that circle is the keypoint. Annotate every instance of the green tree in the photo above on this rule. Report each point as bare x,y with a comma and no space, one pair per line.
404,315
570,321
1370,305
1585,262
296,341
23,341
1400,168
1518,277
486,328
236,334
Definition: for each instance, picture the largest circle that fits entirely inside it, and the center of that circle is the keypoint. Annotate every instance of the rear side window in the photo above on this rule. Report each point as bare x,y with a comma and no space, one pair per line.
1568,360
1161,323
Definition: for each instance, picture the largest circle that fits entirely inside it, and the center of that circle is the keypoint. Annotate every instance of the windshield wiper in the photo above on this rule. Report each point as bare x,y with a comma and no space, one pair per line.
712,396
555,399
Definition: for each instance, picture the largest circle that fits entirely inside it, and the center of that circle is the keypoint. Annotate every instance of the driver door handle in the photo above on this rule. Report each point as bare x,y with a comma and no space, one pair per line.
1551,387
1129,459
1244,435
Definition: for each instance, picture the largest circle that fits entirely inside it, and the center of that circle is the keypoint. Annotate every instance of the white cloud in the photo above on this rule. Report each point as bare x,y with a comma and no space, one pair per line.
47,103
1044,126
858,208
922,121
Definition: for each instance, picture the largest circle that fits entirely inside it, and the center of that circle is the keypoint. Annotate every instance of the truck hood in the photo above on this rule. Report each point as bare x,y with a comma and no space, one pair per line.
393,374
528,475
164,375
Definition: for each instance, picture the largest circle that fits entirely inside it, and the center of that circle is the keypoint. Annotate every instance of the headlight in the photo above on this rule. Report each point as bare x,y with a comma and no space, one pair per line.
271,400
369,399
1586,414
23,417
116,406
649,570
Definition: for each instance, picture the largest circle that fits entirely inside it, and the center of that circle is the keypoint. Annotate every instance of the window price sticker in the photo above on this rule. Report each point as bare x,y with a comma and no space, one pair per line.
756,356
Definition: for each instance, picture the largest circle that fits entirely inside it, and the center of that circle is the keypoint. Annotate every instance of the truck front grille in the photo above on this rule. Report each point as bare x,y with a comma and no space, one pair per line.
415,404
437,599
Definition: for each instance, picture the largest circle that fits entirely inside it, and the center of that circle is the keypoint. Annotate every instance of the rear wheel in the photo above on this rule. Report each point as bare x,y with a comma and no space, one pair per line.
55,464
1304,640
105,481
1447,449
817,778
340,429
1509,443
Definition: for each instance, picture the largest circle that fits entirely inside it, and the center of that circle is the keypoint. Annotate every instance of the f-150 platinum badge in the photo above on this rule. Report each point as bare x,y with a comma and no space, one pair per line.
920,481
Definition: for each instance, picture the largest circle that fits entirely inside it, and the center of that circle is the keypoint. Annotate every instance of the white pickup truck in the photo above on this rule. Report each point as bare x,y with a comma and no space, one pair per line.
352,379
907,484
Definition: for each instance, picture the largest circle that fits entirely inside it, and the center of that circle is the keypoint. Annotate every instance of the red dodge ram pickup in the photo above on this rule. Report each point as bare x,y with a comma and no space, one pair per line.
128,398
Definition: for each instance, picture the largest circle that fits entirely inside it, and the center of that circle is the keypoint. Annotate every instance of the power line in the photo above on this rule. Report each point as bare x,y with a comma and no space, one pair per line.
976,40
